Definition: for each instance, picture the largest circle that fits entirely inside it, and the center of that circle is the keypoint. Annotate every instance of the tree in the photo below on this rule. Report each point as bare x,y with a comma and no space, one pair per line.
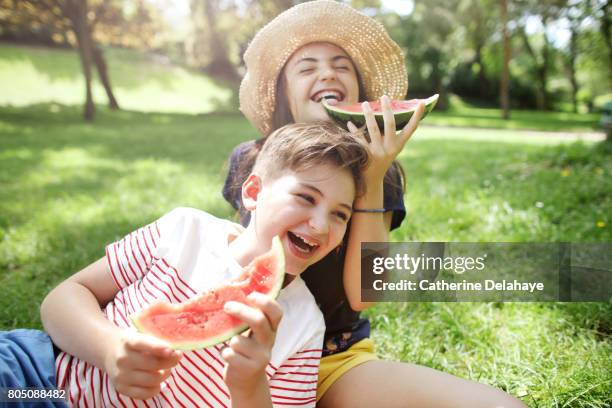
604,8
210,47
432,48
504,86
222,30
71,16
574,15
76,12
84,24
547,12
478,20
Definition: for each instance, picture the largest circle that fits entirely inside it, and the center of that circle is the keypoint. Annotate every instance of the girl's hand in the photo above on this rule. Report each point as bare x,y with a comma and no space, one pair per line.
247,356
384,148
137,364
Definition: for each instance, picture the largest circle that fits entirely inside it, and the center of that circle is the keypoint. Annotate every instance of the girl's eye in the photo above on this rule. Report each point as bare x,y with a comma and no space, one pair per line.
342,68
306,70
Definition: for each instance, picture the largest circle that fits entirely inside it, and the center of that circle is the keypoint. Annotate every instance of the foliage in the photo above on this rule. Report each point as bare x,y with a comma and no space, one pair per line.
458,44
130,23
235,24
450,45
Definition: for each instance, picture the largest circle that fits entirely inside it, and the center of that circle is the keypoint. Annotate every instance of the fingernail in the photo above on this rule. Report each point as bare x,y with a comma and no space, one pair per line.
365,105
255,295
231,307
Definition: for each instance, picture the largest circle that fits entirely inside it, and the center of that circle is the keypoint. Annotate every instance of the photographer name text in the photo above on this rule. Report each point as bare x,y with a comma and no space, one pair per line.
458,265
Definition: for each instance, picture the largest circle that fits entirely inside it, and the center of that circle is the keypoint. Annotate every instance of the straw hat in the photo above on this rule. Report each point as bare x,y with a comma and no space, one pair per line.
378,59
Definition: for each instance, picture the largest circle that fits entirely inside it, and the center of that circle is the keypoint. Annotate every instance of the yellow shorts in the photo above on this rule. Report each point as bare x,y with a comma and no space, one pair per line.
334,366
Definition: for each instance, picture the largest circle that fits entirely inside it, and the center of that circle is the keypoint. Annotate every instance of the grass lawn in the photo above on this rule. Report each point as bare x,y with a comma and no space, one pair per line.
463,114
69,188
30,75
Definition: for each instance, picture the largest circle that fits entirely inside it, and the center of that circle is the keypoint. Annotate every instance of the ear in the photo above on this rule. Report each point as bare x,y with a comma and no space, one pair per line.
250,191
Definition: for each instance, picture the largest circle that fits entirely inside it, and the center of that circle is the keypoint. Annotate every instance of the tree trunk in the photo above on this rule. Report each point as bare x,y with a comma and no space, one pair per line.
438,80
541,95
605,31
504,92
77,13
220,64
283,5
541,69
572,67
98,59
482,76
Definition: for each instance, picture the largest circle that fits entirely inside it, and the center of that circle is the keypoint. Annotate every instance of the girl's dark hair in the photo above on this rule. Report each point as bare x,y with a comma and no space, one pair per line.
282,116
282,113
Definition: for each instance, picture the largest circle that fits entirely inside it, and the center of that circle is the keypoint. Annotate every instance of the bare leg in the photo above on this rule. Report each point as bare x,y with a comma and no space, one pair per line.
400,385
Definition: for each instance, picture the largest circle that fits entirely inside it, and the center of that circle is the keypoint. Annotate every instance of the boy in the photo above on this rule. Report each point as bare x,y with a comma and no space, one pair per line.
301,189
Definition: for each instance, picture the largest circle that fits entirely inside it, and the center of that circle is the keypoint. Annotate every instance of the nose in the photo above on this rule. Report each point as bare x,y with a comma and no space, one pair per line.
328,73
319,222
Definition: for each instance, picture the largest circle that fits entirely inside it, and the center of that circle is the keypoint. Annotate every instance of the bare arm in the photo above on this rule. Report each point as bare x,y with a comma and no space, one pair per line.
372,227
72,315
365,227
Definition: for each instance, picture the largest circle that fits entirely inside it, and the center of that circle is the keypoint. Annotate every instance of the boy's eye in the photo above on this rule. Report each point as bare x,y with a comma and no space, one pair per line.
342,216
306,198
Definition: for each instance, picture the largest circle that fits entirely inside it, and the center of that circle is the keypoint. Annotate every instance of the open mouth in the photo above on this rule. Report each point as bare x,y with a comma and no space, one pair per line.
302,244
329,95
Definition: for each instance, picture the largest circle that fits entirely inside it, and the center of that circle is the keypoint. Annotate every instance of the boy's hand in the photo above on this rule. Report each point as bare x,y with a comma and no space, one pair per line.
384,147
137,364
248,356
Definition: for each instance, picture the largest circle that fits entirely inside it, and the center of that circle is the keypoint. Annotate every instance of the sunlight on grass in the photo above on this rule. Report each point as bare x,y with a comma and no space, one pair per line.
429,131
30,75
462,114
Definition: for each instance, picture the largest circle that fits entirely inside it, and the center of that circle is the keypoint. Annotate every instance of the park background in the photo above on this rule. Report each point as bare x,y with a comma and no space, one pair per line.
114,112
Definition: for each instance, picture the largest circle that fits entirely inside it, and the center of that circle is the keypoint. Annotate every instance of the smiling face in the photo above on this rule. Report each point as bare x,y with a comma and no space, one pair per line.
317,71
308,209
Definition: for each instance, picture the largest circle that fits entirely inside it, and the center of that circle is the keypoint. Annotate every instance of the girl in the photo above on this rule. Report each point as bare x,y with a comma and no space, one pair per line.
323,49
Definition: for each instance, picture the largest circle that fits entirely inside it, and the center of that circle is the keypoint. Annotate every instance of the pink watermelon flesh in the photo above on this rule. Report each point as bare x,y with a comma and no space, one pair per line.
396,106
201,321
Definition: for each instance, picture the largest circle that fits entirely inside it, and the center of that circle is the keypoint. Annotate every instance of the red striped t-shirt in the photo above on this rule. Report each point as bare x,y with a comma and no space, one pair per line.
174,258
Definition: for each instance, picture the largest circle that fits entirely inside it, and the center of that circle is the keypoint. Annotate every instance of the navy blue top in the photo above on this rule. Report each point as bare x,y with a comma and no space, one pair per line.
343,326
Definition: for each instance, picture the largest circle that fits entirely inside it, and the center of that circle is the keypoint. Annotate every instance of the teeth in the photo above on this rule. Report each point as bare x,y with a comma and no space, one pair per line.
312,244
328,94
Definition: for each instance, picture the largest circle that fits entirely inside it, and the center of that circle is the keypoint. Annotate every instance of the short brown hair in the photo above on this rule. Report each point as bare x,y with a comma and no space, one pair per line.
300,146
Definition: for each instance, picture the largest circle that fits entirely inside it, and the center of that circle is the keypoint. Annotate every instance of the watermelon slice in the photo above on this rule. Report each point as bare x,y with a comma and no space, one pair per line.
402,110
201,321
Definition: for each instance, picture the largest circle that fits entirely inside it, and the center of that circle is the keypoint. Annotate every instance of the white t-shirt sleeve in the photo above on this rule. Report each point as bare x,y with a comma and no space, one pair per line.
131,257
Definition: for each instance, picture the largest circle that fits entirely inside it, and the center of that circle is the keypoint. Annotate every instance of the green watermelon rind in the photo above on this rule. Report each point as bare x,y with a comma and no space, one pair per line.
401,116
277,249
197,345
